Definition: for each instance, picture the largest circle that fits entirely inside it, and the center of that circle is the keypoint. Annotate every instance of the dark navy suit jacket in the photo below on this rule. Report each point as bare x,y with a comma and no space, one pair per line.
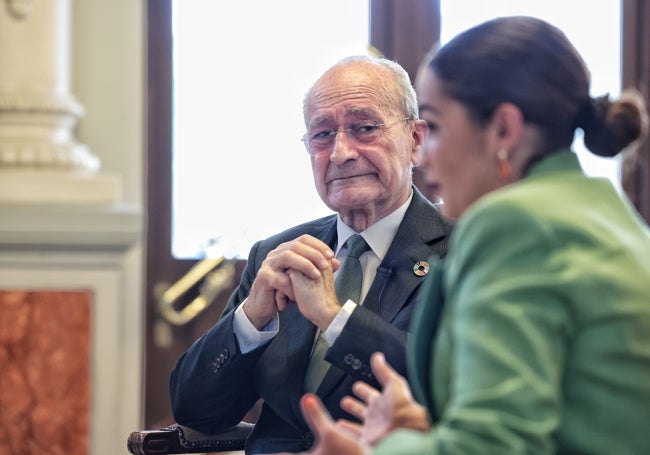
214,385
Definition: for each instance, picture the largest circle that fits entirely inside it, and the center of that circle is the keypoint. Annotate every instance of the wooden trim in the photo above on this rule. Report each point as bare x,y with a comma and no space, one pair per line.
635,49
160,265
405,30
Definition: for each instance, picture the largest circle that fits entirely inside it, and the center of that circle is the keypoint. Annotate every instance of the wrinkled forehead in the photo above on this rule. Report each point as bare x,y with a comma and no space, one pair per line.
352,91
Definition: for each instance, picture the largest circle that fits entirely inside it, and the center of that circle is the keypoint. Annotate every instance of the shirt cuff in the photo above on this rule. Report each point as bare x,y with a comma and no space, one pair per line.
338,323
248,337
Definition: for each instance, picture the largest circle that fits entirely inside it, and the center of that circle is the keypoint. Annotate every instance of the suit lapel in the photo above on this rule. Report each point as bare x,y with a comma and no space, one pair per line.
396,281
426,320
291,348
300,334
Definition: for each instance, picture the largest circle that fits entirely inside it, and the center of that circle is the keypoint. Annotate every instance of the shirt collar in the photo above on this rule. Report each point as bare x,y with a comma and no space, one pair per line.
379,235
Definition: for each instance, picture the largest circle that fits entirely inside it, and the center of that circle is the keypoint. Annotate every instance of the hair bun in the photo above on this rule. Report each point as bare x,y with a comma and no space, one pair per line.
611,126
586,116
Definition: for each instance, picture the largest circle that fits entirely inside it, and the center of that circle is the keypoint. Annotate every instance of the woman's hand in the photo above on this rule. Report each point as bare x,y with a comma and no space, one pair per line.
331,438
382,412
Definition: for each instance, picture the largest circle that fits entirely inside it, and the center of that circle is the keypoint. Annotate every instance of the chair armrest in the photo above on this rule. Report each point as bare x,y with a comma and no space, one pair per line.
177,439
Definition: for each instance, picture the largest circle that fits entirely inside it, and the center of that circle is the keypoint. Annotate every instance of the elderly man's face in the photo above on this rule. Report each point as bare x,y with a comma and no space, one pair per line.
359,174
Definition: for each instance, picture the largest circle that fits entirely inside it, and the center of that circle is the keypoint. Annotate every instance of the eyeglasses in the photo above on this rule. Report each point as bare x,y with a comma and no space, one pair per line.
320,140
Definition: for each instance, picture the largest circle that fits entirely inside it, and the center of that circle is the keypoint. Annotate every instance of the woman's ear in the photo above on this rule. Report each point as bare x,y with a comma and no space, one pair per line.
508,142
507,126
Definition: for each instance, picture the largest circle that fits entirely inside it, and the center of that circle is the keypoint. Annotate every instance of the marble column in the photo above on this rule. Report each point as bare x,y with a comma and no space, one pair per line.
70,254
40,159
45,398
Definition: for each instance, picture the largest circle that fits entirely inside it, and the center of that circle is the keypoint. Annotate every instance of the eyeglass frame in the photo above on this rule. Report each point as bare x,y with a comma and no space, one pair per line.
331,133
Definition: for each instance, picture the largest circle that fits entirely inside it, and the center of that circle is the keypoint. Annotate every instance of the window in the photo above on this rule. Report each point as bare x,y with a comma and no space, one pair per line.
239,82
594,31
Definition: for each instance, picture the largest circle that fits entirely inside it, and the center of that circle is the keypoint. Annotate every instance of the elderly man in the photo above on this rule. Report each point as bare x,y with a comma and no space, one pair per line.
363,137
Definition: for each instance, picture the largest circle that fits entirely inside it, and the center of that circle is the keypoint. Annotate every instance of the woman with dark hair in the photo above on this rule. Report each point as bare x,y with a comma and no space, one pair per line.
543,345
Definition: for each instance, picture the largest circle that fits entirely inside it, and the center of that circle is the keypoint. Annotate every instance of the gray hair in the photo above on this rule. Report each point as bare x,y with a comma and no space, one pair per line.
404,96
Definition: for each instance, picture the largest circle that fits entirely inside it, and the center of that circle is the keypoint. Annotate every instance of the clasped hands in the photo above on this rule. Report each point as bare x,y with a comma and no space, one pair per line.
380,413
300,271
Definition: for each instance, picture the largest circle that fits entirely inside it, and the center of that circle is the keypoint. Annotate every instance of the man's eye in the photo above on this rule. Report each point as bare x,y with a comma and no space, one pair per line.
366,128
322,135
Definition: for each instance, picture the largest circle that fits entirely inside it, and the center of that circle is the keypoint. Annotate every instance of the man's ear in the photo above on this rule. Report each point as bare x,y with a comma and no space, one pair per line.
507,126
420,132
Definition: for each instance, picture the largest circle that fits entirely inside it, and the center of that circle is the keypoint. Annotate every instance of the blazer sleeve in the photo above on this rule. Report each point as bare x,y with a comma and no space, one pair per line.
364,334
211,386
499,353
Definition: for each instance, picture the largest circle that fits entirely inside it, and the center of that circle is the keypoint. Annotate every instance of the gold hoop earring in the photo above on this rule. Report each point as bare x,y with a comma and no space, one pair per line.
505,170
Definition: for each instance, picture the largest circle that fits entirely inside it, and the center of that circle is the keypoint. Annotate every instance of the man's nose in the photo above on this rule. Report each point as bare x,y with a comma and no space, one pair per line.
343,148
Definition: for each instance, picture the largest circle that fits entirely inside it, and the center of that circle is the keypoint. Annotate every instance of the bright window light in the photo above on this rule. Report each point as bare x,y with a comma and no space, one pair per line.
594,31
241,69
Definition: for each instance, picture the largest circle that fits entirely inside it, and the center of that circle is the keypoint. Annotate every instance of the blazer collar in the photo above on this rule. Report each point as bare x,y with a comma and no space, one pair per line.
395,280
560,161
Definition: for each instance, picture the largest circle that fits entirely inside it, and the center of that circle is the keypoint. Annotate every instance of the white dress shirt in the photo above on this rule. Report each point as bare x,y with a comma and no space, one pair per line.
379,236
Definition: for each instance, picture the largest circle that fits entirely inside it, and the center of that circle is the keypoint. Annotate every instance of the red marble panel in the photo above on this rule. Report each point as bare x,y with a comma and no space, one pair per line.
45,370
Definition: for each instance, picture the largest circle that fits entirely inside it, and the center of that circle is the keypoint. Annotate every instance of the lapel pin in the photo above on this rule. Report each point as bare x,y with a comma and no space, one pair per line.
421,268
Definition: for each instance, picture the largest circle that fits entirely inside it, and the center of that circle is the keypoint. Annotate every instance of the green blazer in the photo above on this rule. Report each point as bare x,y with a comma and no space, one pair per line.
543,345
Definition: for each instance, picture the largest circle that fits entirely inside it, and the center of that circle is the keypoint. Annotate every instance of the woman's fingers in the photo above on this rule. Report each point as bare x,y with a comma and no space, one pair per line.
365,391
317,417
355,407
354,429
382,370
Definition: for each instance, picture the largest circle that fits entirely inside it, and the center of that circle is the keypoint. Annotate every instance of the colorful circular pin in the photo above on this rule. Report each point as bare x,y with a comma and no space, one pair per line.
421,268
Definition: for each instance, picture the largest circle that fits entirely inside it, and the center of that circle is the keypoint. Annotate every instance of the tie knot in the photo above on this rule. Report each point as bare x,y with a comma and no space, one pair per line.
356,246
